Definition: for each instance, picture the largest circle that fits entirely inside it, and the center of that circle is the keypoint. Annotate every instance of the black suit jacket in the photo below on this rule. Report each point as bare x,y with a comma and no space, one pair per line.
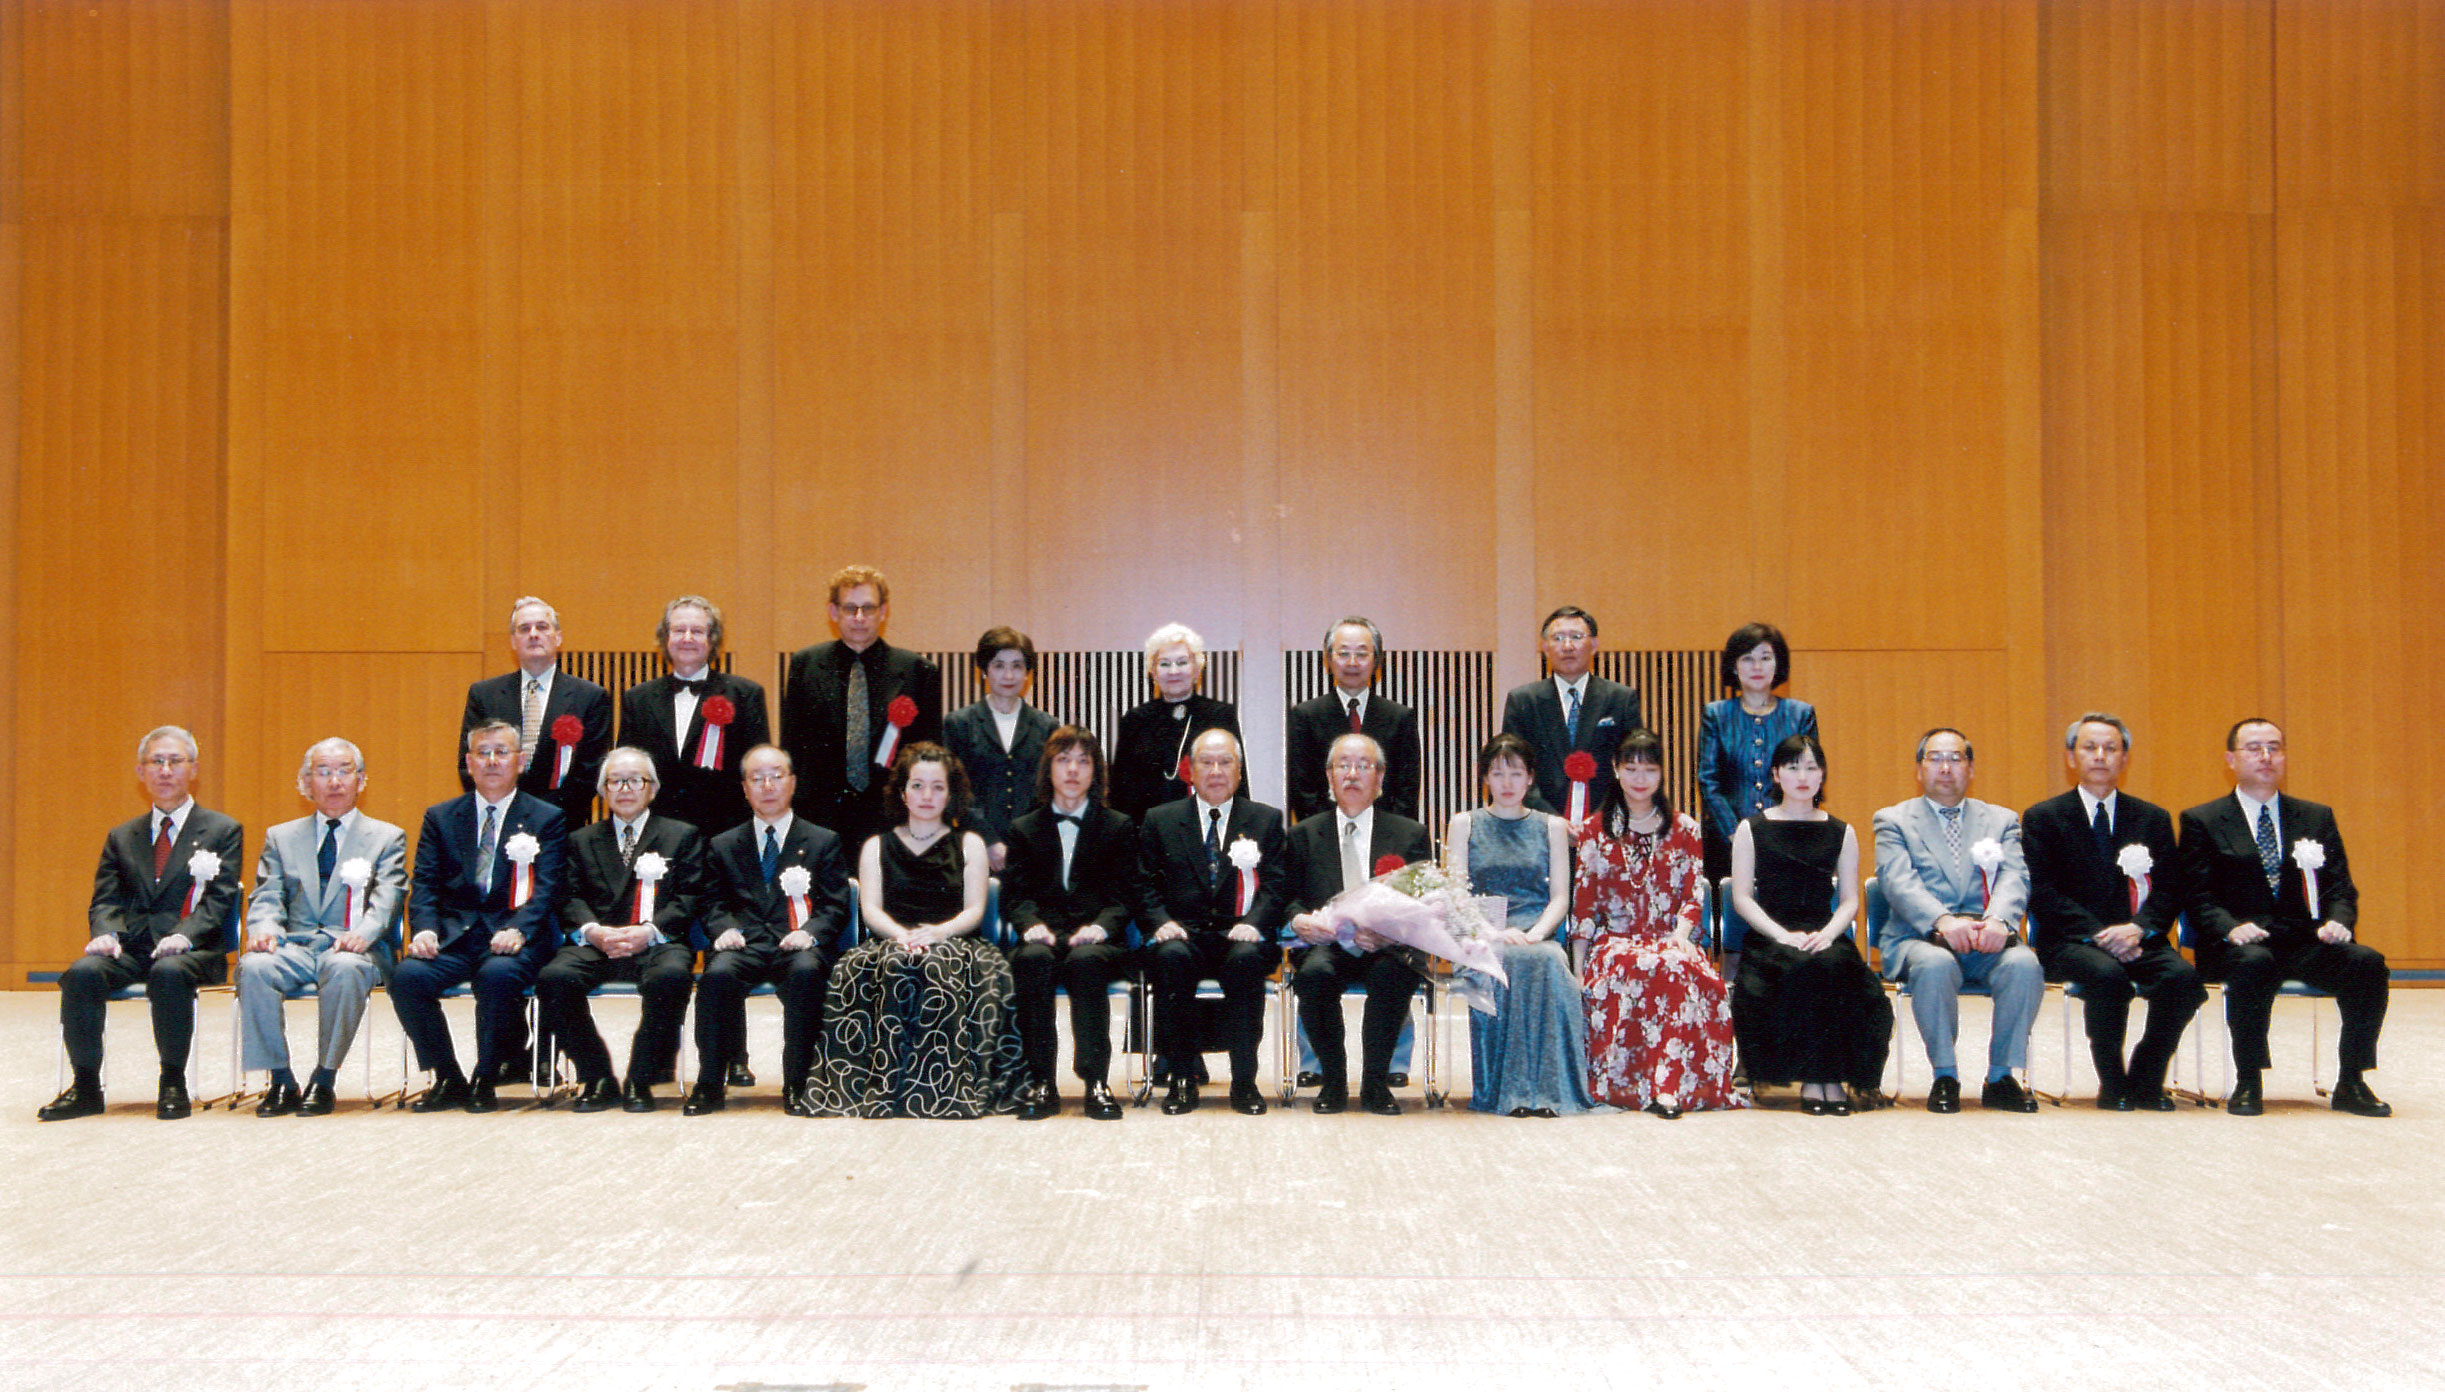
1004,782
602,890
1607,712
497,698
814,718
744,900
710,800
1308,741
1172,884
2075,890
1314,852
1103,873
2228,886
140,910
443,898
1146,757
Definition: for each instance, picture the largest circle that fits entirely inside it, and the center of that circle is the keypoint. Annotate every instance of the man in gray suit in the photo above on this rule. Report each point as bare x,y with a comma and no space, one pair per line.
326,889
1955,887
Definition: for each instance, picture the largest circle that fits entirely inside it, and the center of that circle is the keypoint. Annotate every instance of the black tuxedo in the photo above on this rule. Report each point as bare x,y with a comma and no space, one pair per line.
815,730
1308,742
708,799
744,901
2076,889
141,911
1173,885
1146,756
1003,781
1608,711
502,698
2228,886
1100,890
446,899
1326,971
603,889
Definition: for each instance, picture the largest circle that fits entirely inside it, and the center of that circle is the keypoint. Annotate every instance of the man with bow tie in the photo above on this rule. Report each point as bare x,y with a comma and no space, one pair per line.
326,889
564,722
695,722
2274,902
1066,891
159,915
635,880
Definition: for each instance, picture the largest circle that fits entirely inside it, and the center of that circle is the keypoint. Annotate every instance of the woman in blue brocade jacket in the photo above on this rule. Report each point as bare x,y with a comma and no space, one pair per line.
1737,736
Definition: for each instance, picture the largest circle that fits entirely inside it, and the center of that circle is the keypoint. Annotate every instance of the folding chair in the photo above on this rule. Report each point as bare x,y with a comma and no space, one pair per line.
385,954
134,991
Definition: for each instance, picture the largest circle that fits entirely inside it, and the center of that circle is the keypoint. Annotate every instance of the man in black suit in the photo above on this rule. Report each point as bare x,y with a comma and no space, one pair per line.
563,722
695,722
768,928
1210,876
611,933
160,915
836,710
1067,888
2105,887
1569,711
491,866
1352,650
2273,900
1329,854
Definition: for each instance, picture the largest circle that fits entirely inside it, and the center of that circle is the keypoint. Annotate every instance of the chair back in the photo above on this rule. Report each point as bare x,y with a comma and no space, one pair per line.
1872,901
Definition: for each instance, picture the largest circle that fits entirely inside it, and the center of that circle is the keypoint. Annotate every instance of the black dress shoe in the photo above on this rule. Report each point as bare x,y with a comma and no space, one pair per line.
1180,1097
637,1095
1944,1096
794,1103
2006,1094
1311,1079
1837,1106
172,1103
75,1102
1377,1098
738,1076
2245,1101
1398,1080
1038,1101
1332,1099
703,1098
442,1097
2157,1100
1812,1106
483,1095
316,1100
2115,1101
1101,1104
1246,1100
601,1095
2353,1097
1668,1112
279,1099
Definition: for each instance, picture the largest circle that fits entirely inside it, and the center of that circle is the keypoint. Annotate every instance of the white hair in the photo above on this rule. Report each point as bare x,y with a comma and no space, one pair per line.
1174,635
162,732
306,765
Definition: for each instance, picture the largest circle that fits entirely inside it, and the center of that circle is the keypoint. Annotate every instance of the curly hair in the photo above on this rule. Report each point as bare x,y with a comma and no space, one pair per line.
895,791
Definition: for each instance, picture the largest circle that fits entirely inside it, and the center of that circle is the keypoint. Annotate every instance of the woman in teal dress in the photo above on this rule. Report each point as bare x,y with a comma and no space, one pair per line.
1530,1056
1739,734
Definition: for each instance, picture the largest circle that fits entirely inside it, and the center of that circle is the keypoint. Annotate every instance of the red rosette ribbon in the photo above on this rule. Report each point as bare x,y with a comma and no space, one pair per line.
566,732
899,715
1184,770
718,713
1579,768
1387,863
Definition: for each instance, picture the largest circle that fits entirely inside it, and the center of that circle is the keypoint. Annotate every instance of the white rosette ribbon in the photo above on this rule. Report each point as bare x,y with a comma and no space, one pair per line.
795,882
650,868
202,867
1244,858
356,872
1987,854
2136,864
2311,857
522,850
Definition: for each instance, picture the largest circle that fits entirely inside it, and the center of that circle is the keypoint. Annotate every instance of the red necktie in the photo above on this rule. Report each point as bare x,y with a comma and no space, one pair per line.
1357,726
161,849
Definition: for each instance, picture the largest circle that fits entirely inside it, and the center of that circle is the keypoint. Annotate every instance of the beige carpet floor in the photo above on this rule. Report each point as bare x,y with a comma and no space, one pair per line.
539,1249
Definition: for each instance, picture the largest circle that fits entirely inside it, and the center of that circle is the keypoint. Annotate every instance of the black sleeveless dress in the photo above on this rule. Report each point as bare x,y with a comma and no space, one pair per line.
920,1034
1806,1017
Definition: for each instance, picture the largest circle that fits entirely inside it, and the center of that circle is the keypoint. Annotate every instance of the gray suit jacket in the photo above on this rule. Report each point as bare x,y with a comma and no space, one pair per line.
1915,873
292,899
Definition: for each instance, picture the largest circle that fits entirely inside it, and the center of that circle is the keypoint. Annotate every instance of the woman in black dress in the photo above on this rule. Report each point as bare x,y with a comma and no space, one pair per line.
1154,735
1806,1008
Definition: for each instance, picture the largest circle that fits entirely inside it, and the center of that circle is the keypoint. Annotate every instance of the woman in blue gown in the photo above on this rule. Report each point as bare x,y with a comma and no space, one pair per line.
1738,734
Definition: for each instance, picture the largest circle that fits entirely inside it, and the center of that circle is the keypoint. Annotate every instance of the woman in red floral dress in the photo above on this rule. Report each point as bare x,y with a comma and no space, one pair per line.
1659,1019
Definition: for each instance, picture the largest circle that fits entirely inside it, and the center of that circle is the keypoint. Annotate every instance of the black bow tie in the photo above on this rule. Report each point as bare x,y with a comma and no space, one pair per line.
1076,819
696,684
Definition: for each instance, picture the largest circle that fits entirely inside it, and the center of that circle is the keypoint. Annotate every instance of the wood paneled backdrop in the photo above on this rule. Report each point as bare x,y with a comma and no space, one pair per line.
2017,358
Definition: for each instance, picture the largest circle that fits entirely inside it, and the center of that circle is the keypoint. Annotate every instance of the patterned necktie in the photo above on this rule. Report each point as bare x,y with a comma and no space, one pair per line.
860,741
2269,858
1952,833
1357,725
2103,830
161,848
330,853
772,855
628,845
1353,856
530,723
1214,852
484,848
1570,717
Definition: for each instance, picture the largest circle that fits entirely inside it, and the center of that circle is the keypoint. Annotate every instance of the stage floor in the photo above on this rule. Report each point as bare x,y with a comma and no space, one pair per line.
539,1249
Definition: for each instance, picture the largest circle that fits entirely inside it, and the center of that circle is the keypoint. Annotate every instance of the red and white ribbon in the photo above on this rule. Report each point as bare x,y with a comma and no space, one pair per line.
202,868
2311,857
355,873
1245,857
2135,863
898,716
566,732
522,850
651,867
795,881
718,713
1580,769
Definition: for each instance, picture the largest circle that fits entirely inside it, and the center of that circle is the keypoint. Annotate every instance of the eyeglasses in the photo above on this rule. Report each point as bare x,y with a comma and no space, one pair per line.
1945,757
165,761
765,779
859,611
1354,765
627,783
340,774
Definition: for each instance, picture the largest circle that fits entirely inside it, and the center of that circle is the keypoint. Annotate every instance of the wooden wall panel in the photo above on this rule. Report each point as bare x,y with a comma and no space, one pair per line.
401,709
1872,707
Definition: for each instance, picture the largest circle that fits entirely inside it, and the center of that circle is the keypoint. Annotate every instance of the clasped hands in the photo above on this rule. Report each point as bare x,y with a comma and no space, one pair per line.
2243,934
1240,932
620,942
1085,935
1963,933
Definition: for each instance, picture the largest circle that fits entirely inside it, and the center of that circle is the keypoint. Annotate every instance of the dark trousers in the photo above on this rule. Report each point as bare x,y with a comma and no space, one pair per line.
1086,971
663,974
169,987
2172,989
2355,974
1177,966
501,982
1325,972
797,977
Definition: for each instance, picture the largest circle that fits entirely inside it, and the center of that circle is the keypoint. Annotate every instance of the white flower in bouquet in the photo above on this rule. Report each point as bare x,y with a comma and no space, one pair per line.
2135,861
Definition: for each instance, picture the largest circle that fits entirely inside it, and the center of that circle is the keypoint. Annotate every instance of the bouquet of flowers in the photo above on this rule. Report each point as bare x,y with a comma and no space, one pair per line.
1424,909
